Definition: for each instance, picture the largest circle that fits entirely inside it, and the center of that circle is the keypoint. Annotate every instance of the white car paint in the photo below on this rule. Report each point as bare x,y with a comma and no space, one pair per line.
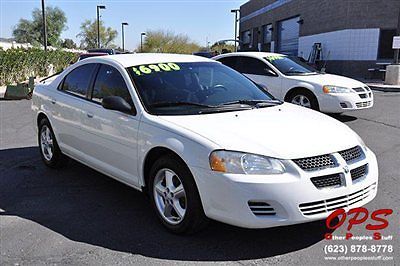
281,85
117,144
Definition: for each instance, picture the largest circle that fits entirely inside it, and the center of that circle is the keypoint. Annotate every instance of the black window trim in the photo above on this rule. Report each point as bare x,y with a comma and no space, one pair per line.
93,81
61,85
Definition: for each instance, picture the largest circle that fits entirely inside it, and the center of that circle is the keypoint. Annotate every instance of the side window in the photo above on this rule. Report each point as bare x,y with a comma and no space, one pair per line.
78,80
230,61
252,66
109,82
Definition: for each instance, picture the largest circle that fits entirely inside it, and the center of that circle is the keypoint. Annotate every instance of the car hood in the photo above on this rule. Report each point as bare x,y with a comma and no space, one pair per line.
286,131
329,79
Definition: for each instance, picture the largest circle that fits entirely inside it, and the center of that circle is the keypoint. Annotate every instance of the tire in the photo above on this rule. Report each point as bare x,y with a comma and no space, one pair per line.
304,96
184,209
48,146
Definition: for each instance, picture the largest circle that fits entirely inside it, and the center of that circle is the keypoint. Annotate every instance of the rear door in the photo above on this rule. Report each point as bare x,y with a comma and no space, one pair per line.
111,144
67,108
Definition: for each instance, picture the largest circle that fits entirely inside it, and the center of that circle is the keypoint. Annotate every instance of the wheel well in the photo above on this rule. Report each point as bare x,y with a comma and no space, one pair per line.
152,156
293,90
40,117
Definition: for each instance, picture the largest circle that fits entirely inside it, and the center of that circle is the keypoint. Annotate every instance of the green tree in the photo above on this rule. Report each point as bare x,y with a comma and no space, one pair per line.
168,42
222,47
68,43
30,31
88,35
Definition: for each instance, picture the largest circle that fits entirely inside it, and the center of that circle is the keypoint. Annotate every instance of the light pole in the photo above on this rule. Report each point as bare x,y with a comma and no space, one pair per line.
123,35
397,51
236,11
44,26
98,25
141,41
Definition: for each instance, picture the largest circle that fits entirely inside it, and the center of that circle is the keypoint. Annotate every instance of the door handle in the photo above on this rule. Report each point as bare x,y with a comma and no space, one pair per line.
53,101
90,115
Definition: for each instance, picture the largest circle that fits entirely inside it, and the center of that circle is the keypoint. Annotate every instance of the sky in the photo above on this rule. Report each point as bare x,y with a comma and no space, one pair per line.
201,20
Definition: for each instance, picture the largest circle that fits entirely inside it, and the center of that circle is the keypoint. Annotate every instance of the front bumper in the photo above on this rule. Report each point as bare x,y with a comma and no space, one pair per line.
290,198
342,102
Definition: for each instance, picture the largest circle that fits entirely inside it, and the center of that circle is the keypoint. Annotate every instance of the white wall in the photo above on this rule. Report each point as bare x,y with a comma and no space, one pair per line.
351,44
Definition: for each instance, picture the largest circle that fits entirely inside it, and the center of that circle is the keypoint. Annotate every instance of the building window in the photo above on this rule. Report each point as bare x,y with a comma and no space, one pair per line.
267,31
246,37
385,44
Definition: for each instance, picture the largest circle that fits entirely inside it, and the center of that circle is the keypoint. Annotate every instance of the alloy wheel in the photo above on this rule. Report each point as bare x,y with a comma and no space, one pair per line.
46,143
169,196
302,101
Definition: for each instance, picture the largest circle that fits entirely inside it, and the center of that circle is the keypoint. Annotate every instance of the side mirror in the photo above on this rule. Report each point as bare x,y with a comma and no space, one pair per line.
118,104
271,73
262,87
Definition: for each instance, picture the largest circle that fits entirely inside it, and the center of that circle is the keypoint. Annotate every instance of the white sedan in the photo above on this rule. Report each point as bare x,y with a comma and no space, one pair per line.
289,79
203,141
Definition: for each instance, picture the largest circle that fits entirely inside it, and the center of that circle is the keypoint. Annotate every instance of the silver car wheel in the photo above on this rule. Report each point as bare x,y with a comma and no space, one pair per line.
302,101
46,143
169,196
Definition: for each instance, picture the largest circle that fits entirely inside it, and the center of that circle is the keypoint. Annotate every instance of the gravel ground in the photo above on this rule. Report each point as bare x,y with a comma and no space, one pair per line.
76,216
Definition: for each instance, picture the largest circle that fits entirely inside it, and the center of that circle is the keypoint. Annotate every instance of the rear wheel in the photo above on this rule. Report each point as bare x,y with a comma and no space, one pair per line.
175,197
304,98
49,150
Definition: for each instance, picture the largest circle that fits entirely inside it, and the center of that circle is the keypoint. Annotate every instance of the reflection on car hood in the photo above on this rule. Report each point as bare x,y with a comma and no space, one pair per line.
286,131
329,79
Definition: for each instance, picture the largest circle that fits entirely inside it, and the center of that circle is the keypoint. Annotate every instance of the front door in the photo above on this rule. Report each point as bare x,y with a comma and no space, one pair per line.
259,72
111,135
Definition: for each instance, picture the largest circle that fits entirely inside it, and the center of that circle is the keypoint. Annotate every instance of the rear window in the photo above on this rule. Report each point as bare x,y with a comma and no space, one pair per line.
78,80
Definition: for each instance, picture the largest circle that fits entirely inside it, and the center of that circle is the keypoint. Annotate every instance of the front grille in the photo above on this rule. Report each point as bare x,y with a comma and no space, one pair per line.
363,104
316,162
363,96
328,205
360,89
326,181
359,172
352,154
260,208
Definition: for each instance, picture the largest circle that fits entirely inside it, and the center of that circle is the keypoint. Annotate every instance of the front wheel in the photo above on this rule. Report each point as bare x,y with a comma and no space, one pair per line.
175,197
304,98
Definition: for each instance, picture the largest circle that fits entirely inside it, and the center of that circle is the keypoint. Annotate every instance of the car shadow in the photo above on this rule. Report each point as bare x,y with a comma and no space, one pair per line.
343,118
86,206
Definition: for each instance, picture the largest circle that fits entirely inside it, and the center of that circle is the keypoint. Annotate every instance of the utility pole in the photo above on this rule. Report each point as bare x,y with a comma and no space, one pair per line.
236,11
123,35
98,24
44,26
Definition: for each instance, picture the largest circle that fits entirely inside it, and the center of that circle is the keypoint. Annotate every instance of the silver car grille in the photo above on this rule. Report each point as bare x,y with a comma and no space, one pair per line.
332,204
352,154
316,162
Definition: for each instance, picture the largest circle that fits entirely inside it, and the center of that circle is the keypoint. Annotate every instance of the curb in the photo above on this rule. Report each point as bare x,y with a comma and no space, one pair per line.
384,89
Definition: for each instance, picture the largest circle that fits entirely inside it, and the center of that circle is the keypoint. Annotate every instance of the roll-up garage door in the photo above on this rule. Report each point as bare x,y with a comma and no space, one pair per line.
288,36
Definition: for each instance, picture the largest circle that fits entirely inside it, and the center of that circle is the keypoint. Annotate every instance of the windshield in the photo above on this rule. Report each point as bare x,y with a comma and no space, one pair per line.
289,65
196,88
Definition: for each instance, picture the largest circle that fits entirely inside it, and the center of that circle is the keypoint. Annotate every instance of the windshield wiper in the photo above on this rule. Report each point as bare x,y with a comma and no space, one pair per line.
256,103
179,103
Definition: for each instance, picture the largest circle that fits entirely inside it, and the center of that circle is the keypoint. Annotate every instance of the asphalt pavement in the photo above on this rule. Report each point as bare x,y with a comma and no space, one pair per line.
77,216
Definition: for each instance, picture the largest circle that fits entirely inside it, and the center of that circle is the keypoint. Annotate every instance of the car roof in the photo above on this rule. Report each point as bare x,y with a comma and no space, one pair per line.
251,54
127,60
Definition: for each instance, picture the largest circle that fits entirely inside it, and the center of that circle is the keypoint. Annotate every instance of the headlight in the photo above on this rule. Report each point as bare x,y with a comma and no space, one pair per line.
245,163
335,89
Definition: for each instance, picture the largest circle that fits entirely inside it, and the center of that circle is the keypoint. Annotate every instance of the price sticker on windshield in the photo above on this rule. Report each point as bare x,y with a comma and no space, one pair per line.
274,57
154,68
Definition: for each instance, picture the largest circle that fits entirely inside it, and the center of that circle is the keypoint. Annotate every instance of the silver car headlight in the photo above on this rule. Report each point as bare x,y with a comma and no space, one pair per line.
244,163
336,89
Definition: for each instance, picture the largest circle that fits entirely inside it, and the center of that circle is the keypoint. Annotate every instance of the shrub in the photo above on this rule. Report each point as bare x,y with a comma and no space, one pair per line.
18,64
